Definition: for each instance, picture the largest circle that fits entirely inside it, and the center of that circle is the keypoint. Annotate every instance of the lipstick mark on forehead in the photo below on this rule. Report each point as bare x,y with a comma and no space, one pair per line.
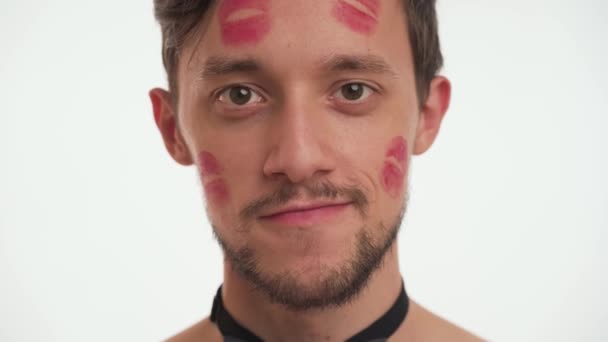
373,6
244,21
360,16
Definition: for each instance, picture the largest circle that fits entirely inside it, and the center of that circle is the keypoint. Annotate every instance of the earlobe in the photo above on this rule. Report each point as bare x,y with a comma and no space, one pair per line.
432,114
166,121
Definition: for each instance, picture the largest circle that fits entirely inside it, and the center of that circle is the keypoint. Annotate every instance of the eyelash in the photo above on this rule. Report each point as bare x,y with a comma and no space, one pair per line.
366,87
224,93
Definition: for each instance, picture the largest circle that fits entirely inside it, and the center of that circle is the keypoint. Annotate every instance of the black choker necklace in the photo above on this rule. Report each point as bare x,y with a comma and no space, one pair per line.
378,331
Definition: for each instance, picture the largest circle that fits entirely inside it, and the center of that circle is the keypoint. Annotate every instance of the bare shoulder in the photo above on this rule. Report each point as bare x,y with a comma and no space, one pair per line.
204,330
421,325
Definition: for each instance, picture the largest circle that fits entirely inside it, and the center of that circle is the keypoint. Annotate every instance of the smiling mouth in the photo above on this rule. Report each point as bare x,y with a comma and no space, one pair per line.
306,216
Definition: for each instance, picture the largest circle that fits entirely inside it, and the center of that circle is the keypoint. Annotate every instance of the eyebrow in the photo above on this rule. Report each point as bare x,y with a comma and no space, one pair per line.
365,63
220,66
223,65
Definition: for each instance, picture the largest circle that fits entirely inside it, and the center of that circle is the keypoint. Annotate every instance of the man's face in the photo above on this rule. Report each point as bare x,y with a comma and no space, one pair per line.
301,117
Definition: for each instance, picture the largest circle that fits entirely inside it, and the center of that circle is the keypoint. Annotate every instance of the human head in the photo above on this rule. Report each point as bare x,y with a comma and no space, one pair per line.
322,103
179,20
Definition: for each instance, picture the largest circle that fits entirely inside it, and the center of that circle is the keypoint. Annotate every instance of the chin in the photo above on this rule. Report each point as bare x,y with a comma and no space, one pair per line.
313,284
306,269
309,253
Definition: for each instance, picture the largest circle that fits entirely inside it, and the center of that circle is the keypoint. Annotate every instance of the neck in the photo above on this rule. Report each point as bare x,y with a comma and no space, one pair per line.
274,322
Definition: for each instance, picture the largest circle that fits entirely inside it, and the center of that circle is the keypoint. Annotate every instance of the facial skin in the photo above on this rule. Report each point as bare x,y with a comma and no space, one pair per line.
360,15
329,119
243,21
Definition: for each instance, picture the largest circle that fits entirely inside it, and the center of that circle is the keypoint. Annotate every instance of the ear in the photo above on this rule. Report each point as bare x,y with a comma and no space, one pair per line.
432,113
166,121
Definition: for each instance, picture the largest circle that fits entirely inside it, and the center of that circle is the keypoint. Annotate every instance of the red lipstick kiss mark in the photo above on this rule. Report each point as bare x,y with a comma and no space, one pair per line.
250,27
358,20
217,192
397,149
372,5
392,179
208,164
215,188
393,172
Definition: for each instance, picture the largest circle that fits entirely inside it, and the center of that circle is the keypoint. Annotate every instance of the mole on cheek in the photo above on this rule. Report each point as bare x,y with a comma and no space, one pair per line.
217,192
361,19
208,164
244,21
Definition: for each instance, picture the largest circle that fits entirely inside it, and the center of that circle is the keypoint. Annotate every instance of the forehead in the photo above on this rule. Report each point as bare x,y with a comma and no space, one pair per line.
295,35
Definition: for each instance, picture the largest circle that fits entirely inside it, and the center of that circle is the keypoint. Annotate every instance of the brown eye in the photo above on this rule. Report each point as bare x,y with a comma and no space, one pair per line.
354,92
239,95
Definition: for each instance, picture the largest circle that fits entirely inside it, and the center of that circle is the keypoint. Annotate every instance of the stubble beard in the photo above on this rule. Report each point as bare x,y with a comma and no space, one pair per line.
333,285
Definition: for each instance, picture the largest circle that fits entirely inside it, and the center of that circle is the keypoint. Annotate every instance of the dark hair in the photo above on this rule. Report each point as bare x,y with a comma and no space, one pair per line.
179,19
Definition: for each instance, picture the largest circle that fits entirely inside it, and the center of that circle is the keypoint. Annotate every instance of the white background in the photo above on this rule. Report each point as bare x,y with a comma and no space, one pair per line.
103,237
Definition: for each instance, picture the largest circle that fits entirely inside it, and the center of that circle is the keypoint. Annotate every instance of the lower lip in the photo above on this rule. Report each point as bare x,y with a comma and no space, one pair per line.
307,217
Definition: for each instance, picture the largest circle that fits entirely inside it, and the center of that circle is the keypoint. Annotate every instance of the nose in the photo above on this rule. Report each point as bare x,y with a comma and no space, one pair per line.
300,145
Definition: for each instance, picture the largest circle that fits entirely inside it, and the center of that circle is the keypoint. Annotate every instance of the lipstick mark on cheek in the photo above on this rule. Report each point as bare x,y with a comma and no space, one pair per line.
397,149
356,19
392,179
217,192
250,29
208,164
215,188
392,175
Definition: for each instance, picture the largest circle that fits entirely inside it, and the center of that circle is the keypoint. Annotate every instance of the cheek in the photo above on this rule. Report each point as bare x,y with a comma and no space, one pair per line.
397,149
208,164
215,187
392,175
217,192
392,179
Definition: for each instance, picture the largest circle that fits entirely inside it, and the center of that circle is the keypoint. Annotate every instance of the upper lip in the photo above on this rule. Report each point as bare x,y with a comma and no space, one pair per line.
294,207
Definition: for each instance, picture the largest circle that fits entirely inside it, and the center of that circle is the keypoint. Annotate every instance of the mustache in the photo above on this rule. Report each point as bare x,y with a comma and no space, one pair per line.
319,190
